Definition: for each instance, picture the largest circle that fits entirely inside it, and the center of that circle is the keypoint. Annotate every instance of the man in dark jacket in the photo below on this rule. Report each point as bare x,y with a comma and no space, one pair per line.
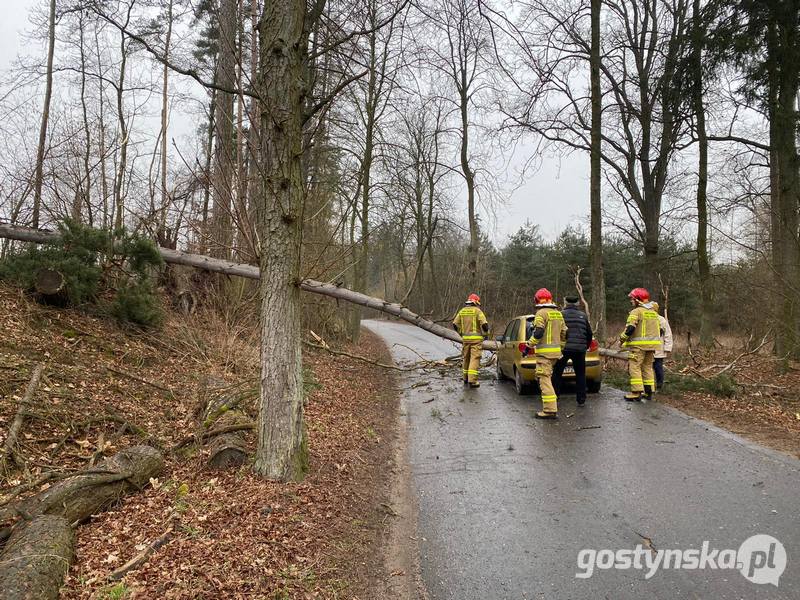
579,338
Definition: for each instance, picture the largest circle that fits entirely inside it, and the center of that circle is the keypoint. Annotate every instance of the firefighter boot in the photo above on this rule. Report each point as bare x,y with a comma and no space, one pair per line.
474,384
546,415
633,396
648,393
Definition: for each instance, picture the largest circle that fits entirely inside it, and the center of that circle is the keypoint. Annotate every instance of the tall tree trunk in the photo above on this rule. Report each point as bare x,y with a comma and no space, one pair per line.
282,451
119,181
370,115
102,136
704,270
253,116
86,185
652,262
469,179
205,233
595,191
164,126
222,176
48,93
784,80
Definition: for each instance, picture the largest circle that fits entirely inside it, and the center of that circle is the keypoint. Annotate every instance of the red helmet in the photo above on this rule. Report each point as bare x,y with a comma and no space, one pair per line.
543,296
474,299
640,295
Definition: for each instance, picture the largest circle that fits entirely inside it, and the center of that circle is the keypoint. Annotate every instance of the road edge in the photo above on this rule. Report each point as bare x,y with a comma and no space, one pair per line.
400,544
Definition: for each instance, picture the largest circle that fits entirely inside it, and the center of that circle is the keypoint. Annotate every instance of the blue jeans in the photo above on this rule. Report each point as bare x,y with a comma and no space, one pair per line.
658,367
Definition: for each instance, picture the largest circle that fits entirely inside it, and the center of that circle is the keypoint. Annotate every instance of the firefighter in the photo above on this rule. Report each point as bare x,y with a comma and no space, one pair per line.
642,337
547,340
471,325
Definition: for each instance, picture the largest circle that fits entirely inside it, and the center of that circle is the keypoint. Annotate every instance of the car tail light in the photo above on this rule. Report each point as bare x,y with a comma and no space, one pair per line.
593,346
523,346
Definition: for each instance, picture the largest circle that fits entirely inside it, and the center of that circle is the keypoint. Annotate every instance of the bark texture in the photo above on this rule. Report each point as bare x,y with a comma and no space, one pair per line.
224,153
282,447
36,559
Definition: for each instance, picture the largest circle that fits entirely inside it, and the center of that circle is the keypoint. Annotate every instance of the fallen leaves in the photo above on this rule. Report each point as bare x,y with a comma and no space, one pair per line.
235,535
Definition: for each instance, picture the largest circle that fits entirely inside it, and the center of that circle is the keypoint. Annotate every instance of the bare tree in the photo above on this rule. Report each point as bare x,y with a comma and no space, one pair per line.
48,93
699,112
595,177
462,59
643,118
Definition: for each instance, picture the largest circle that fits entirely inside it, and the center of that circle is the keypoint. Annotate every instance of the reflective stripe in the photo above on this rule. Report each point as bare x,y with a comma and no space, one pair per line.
550,344
635,381
549,398
648,329
650,382
468,321
471,372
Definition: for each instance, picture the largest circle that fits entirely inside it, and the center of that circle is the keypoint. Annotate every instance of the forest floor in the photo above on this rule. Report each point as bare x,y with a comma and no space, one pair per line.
758,397
234,535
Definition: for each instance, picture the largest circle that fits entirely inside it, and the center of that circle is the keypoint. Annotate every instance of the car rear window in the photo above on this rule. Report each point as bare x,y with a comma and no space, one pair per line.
528,328
515,331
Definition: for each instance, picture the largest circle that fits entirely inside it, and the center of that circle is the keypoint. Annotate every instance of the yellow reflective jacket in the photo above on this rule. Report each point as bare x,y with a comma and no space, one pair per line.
555,332
469,322
647,332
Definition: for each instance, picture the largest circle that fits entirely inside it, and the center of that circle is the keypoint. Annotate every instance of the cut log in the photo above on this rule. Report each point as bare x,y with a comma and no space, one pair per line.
87,492
49,282
36,559
9,446
613,354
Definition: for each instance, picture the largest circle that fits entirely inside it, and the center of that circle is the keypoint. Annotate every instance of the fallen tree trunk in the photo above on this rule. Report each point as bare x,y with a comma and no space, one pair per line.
87,492
40,547
613,354
225,267
36,559
9,446
206,263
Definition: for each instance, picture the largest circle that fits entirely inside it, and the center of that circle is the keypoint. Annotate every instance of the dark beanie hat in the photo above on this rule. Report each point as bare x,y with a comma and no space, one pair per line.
571,299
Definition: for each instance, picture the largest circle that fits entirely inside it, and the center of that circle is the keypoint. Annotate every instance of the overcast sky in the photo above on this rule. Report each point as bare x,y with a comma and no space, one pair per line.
554,196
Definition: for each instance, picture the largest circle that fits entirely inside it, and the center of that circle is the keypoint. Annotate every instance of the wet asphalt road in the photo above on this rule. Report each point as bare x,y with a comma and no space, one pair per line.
507,502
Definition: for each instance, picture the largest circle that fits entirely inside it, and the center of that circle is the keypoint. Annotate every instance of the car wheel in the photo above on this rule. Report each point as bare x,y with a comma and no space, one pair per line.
593,385
519,383
500,375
